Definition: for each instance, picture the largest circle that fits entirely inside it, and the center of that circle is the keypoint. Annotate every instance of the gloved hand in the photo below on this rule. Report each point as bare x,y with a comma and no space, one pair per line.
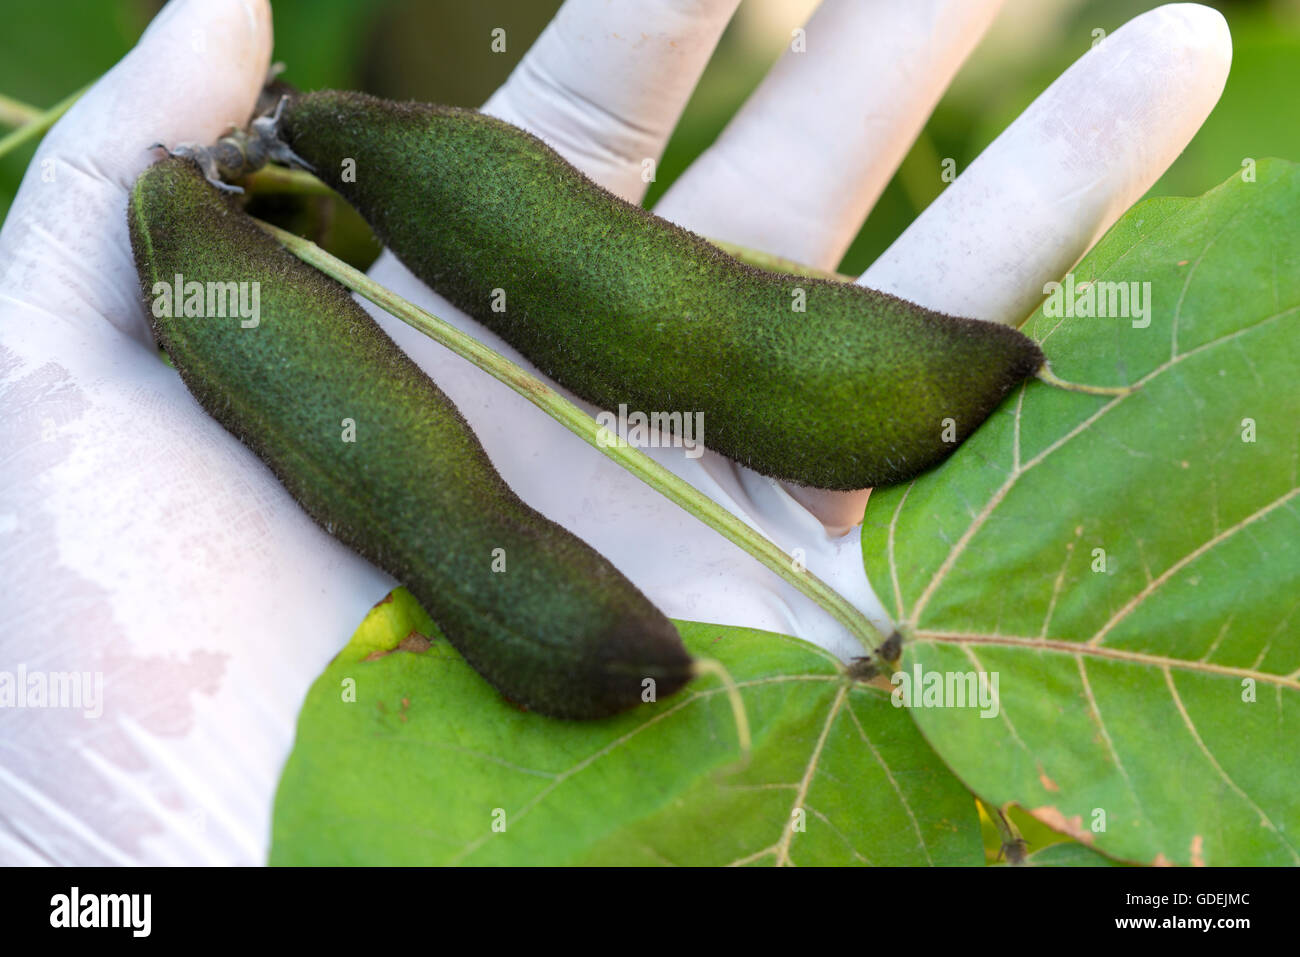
140,542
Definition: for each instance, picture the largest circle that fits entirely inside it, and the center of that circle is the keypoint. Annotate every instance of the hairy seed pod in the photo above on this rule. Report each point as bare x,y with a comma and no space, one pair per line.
818,382
539,613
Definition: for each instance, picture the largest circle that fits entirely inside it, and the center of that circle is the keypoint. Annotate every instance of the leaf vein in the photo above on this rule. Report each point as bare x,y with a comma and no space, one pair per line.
1186,560
983,515
1063,646
893,783
1191,728
787,833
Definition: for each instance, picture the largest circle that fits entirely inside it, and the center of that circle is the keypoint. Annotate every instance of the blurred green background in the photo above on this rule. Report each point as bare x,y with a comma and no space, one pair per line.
437,50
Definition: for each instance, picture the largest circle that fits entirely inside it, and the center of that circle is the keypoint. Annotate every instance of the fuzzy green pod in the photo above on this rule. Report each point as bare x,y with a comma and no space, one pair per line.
541,615
818,382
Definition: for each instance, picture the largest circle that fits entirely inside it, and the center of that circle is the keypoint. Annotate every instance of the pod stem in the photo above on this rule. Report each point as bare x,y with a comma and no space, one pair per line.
1013,845
15,113
272,179
585,427
34,121
1045,374
773,263
711,666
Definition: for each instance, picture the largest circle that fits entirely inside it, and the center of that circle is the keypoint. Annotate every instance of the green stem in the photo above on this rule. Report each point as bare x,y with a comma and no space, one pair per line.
756,257
586,428
14,113
1045,374
281,179
35,128
1013,845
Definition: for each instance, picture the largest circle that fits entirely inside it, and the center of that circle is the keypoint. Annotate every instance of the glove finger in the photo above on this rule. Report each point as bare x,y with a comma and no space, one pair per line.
606,82
822,135
1044,191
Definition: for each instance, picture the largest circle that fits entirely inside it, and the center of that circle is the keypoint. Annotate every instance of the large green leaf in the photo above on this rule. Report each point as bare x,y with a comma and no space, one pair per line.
1130,567
418,766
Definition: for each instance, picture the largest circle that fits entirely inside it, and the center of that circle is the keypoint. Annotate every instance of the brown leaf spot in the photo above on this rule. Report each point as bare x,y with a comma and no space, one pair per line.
383,601
1198,851
1162,861
1073,826
1047,783
415,643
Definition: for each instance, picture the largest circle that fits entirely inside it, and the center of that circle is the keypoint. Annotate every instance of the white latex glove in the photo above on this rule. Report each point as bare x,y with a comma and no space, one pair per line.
140,541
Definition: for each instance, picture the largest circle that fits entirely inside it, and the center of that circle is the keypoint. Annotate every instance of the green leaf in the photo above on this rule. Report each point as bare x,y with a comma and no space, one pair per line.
418,766
1130,567
1067,854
